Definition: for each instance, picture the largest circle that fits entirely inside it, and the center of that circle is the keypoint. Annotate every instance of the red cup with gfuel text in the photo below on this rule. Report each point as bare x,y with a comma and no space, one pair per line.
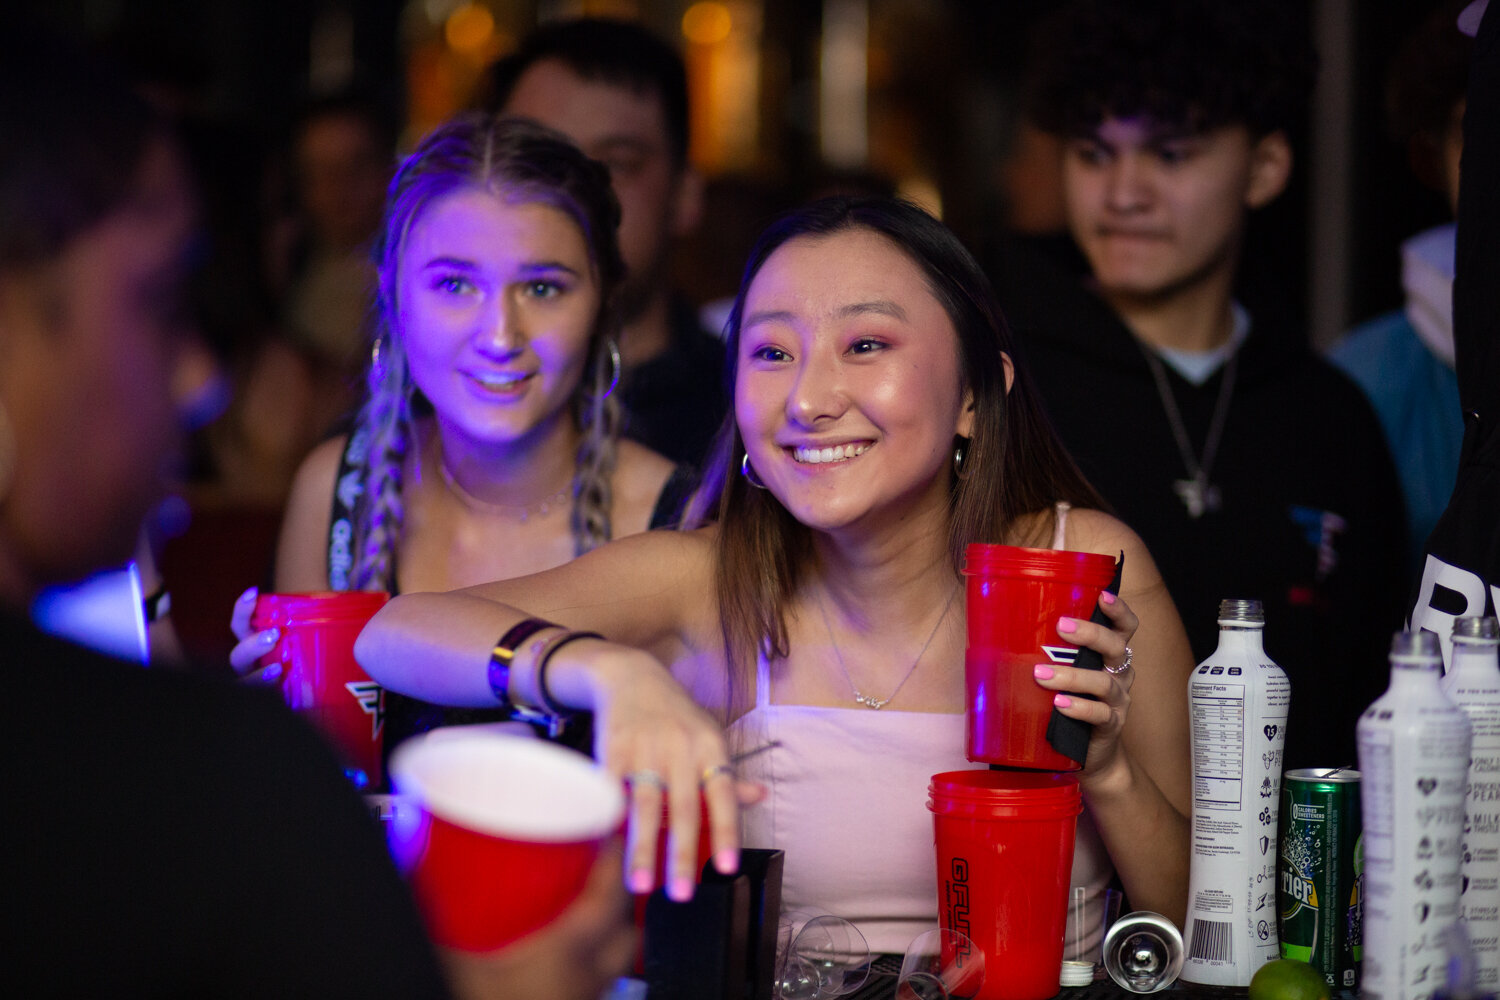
1004,844
1014,597
505,831
320,678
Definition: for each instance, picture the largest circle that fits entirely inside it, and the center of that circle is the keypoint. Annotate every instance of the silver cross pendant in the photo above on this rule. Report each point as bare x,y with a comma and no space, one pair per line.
1197,496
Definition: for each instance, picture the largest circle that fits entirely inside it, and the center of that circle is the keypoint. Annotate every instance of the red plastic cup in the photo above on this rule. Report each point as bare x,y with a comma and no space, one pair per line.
1004,862
506,831
1014,598
320,677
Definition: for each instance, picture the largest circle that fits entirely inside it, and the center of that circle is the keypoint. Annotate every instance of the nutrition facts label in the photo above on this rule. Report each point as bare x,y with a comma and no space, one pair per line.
1218,720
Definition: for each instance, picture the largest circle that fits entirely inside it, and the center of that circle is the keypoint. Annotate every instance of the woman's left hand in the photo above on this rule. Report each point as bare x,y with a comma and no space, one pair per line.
1111,686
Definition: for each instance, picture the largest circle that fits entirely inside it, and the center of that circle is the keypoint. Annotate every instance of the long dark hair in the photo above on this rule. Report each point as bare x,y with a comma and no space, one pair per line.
1014,463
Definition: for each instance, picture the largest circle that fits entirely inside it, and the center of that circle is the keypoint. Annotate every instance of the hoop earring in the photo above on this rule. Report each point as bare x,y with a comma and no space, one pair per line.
961,457
377,358
614,361
749,473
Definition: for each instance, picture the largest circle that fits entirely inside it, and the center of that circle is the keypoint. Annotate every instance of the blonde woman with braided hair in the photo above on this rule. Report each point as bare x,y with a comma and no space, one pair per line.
488,446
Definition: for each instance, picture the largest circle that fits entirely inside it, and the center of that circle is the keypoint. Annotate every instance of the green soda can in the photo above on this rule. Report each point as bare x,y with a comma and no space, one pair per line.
1319,872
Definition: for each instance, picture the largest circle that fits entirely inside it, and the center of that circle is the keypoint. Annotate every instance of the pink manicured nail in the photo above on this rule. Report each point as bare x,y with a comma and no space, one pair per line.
727,861
640,881
1107,597
1062,701
1067,625
681,889
1043,672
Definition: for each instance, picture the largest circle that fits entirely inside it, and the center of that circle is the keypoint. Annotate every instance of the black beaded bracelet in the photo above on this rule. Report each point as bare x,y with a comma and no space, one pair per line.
543,695
504,654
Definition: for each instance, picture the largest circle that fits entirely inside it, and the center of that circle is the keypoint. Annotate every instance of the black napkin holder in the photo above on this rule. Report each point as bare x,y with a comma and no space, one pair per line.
722,942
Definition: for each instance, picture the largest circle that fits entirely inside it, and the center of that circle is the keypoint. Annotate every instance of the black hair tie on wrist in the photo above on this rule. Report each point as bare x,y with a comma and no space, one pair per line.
504,654
544,659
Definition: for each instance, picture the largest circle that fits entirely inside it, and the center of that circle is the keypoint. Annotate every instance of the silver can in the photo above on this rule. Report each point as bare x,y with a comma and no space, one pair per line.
1143,952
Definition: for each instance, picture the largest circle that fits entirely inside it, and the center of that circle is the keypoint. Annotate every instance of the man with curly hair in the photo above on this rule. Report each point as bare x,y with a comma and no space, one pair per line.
1251,467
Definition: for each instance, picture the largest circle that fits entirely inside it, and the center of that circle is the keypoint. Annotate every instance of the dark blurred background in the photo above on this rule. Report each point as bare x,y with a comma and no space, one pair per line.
788,94
790,98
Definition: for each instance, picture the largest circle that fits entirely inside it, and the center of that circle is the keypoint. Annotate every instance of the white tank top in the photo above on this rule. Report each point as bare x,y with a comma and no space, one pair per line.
848,805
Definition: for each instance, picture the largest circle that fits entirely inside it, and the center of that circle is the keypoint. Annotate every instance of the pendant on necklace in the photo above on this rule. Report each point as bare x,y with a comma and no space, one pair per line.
868,702
1198,496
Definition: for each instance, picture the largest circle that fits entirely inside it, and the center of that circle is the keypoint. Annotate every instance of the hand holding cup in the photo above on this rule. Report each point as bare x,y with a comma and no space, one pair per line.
1109,689
246,656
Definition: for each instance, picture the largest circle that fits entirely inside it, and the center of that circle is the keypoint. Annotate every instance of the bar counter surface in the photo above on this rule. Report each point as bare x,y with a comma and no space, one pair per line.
882,986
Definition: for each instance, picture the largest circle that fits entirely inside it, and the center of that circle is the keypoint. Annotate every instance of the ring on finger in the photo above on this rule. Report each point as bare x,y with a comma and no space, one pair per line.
646,776
1124,664
710,773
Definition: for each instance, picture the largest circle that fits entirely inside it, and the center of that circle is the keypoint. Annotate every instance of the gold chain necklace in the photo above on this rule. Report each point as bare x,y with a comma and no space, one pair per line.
517,512
867,700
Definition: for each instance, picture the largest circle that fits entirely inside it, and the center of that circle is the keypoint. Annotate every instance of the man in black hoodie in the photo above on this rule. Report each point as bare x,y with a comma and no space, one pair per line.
1251,468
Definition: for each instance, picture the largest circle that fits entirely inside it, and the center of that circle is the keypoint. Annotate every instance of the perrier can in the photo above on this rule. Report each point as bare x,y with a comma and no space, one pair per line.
1320,872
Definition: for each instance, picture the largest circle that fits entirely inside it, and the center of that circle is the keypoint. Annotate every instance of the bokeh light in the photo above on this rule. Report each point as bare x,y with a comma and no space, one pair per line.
470,29
707,23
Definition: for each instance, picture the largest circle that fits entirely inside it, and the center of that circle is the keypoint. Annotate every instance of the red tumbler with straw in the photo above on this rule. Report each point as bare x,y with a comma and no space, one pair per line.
1014,598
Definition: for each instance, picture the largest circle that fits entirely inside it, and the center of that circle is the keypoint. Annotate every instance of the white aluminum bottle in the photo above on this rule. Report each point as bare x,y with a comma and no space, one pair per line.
1237,706
1473,683
1413,758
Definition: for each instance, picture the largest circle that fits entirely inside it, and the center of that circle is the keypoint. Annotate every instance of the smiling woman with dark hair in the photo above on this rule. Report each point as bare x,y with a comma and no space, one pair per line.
880,424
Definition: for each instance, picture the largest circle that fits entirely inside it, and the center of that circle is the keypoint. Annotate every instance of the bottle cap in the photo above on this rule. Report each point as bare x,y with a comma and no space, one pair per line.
1418,645
1486,628
1077,974
1240,611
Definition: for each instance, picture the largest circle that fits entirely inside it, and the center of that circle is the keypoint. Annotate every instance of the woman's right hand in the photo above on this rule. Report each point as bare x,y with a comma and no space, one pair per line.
246,654
649,732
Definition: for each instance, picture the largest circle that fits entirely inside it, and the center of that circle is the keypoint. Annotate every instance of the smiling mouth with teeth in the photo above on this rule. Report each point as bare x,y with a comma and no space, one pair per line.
499,380
818,456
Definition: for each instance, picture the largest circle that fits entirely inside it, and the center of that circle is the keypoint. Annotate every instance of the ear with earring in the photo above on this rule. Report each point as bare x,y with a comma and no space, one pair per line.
378,352
612,346
748,471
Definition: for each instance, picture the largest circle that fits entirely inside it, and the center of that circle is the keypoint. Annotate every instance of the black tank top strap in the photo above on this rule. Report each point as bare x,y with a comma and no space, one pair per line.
348,484
673,497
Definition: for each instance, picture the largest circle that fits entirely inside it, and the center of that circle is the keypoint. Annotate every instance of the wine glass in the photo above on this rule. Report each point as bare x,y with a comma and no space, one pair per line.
940,965
1143,952
827,957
